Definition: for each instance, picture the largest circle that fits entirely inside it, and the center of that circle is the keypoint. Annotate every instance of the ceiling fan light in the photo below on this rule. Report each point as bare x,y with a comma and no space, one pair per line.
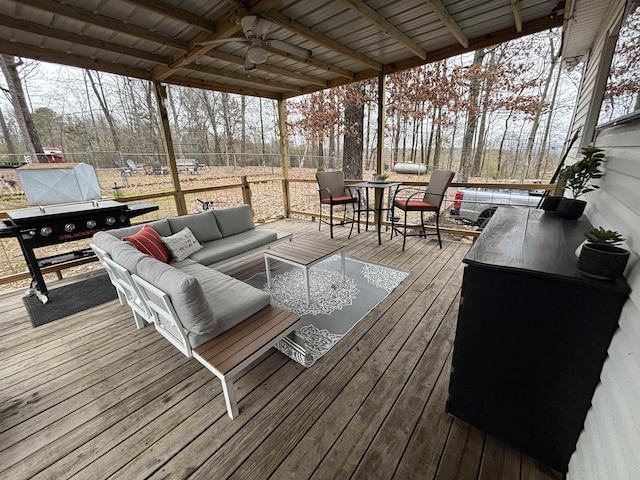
257,54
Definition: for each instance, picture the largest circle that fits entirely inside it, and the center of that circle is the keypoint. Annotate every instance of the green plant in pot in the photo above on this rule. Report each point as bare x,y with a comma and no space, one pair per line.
600,256
578,179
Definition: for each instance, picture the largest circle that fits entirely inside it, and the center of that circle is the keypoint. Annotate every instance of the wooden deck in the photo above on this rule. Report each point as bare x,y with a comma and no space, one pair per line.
90,396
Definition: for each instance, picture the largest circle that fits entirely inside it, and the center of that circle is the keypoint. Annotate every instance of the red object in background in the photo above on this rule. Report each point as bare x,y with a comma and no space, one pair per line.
53,155
458,200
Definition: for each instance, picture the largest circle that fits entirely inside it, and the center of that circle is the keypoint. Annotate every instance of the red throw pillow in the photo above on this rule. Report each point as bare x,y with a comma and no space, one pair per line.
147,240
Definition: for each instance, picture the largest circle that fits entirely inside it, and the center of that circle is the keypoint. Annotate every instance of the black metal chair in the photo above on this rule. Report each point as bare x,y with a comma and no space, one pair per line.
333,192
429,200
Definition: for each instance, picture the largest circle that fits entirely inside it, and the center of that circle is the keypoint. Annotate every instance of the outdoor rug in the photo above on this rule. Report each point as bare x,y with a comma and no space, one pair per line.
70,299
336,305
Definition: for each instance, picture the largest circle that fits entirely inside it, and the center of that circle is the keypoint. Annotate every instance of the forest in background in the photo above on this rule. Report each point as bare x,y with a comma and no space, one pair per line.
498,113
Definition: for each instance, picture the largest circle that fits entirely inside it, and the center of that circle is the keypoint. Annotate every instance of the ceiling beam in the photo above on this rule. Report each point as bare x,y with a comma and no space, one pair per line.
517,15
383,24
488,40
446,18
220,87
244,77
176,13
319,38
314,62
83,40
55,56
109,23
264,67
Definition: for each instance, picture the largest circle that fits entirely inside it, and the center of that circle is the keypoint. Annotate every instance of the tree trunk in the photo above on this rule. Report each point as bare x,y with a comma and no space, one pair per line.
227,130
6,135
396,139
476,170
354,124
536,120
501,148
438,141
23,115
453,138
472,121
101,97
547,128
263,149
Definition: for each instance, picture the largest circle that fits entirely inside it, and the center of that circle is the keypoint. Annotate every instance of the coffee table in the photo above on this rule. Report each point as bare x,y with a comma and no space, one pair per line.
302,253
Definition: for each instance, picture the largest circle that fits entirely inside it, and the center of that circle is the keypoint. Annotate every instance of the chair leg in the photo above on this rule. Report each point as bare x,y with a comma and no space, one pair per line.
393,220
331,220
404,233
320,217
438,228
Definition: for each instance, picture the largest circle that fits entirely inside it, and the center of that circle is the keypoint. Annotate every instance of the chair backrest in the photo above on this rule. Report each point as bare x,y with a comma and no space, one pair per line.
132,165
330,184
156,166
438,184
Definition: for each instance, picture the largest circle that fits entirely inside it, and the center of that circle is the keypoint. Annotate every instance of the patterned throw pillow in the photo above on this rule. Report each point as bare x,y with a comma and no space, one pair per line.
182,244
147,240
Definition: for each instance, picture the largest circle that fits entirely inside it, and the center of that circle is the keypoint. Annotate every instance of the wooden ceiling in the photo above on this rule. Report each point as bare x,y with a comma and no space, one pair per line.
350,40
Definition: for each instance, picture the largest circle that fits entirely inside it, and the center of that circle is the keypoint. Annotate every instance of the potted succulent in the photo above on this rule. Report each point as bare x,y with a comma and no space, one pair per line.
600,256
577,178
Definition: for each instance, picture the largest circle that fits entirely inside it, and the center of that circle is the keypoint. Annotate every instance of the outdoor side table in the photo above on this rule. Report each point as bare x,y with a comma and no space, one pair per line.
304,254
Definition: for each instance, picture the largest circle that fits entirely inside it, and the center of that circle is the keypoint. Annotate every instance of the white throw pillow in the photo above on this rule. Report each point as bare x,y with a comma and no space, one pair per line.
181,244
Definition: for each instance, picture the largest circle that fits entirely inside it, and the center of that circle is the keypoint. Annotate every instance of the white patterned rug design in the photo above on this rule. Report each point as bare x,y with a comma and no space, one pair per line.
336,304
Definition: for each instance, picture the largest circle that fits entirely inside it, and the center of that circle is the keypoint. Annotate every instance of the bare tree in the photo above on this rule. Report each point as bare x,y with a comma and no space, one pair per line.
9,66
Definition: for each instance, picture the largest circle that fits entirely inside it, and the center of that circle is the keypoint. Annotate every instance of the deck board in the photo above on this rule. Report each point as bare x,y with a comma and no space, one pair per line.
90,396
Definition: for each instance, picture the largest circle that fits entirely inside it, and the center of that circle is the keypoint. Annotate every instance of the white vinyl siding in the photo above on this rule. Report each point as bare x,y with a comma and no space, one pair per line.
609,445
594,81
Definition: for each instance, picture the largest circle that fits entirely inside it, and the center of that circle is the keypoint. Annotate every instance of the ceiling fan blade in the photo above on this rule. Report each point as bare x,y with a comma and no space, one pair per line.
220,41
249,65
289,48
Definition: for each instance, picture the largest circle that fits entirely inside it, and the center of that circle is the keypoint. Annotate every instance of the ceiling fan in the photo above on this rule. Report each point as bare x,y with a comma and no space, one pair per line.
256,29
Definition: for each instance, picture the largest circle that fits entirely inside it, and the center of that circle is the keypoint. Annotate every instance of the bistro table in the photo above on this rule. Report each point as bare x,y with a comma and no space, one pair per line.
379,188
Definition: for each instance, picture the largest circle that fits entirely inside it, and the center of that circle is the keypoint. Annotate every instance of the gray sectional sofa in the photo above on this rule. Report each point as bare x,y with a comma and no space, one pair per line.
206,302
188,301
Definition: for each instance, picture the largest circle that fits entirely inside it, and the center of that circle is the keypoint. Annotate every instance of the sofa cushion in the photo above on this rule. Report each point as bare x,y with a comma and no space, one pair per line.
185,292
127,256
234,220
105,241
228,247
181,244
148,241
203,225
160,226
232,300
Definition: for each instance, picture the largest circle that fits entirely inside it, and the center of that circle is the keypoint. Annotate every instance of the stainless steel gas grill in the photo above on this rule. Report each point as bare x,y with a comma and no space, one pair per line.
36,227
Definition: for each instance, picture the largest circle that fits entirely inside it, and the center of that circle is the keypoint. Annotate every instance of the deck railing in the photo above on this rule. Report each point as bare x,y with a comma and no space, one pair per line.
269,199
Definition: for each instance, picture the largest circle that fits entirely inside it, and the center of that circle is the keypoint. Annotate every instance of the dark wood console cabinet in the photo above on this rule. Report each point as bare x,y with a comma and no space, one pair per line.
532,334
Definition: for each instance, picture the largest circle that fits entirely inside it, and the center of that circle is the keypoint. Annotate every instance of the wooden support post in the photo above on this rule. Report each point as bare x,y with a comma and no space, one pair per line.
382,91
284,157
161,96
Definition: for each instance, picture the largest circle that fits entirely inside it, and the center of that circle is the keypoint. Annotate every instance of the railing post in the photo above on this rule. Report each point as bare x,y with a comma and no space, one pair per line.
246,192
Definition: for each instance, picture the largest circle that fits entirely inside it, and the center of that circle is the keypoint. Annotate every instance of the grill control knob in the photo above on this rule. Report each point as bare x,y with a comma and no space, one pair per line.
123,219
69,227
45,231
91,223
32,233
110,220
